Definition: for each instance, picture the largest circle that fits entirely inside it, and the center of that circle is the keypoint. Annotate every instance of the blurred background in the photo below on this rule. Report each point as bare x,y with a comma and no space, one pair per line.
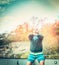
19,18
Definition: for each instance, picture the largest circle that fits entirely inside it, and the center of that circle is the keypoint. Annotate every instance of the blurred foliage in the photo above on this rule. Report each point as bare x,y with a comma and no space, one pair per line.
55,56
22,55
25,55
3,39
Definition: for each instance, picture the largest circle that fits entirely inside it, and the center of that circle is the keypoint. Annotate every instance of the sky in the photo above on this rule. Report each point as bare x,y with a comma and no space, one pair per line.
24,10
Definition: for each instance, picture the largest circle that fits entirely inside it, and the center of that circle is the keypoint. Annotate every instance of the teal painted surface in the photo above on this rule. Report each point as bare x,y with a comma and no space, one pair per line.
24,61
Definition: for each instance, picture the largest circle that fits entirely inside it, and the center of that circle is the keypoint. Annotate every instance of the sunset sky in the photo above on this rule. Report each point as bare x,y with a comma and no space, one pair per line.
22,11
